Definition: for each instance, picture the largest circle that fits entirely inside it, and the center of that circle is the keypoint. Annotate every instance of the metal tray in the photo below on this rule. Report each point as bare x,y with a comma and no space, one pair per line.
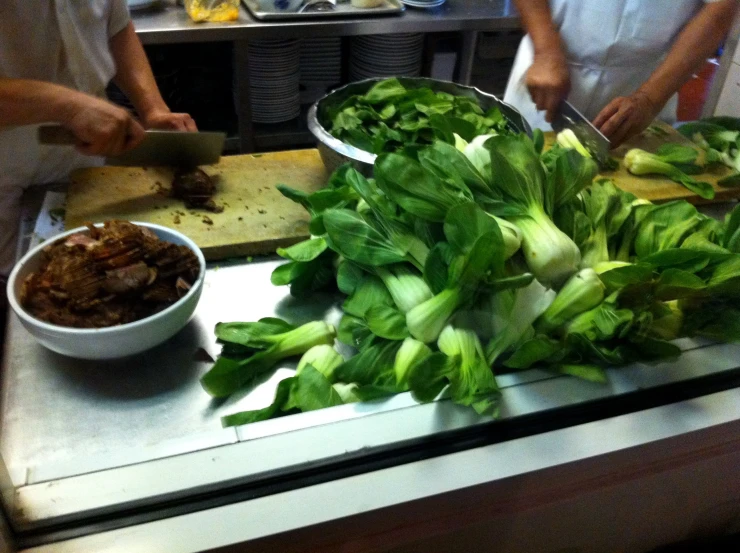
342,9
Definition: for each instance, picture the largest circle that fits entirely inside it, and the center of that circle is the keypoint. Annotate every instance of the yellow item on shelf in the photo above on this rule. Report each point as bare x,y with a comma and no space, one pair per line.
212,10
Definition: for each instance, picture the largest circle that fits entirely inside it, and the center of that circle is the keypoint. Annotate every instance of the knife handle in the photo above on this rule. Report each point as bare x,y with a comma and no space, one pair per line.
56,135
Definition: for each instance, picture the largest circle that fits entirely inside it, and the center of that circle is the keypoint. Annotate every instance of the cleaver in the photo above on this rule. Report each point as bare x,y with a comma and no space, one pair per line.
569,117
159,148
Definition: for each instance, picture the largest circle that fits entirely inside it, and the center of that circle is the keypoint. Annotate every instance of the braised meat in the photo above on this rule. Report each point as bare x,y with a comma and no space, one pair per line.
196,188
112,275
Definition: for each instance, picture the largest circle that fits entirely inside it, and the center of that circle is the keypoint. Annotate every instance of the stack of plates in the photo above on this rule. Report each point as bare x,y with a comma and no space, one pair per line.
423,3
321,67
397,55
274,76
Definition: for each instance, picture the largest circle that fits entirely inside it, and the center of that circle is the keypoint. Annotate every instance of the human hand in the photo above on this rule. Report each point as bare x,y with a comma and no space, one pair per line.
548,81
101,128
625,117
164,119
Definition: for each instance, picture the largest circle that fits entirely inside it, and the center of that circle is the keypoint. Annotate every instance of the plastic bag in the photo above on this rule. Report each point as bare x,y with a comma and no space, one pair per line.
212,10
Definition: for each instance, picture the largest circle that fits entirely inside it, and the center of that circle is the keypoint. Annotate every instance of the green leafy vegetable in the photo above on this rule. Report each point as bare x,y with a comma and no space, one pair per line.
719,137
521,180
471,379
490,241
406,286
390,116
580,293
228,375
639,162
567,139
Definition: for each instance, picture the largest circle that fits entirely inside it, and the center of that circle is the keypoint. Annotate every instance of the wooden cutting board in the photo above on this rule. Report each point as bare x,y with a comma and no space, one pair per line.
656,188
256,219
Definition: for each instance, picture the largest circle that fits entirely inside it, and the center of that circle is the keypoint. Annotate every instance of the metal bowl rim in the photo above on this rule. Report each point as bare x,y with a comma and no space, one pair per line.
363,156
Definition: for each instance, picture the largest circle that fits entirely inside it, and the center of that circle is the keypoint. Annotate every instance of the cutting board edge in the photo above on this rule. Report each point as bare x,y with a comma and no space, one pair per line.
267,247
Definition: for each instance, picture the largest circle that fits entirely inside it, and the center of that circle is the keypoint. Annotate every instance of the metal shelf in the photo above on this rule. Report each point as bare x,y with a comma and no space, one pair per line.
293,133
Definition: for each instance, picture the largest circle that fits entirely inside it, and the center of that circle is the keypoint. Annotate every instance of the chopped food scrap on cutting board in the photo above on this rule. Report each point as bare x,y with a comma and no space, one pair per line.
196,188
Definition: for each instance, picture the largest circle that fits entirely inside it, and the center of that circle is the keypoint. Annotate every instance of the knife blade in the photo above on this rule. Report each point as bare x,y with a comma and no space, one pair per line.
159,148
568,117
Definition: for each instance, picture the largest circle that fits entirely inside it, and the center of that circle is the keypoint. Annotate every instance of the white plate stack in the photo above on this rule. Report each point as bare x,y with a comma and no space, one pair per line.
321,67
274,77
423,3
398,55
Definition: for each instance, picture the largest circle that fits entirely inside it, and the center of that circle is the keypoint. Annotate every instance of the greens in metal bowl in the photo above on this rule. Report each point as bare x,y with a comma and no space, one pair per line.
377,116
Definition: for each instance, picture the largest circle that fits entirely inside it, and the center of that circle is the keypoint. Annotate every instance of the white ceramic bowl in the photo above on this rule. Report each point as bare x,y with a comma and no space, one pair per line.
115,341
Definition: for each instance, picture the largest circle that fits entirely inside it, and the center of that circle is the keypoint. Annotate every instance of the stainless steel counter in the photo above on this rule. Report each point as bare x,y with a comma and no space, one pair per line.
81,439
92,447
172,24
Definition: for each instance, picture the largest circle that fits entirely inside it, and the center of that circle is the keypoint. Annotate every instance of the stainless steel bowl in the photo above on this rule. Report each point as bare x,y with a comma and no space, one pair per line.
335,153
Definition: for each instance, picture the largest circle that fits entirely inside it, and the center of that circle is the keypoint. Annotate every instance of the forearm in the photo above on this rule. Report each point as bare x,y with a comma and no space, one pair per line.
696,42
134,74
537,21
28,102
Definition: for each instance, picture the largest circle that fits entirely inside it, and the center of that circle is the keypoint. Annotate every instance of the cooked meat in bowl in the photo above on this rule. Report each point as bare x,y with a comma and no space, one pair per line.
115,274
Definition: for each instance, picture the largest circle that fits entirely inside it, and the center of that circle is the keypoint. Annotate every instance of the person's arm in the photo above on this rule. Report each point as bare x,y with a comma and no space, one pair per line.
134,77
548,79
627,116
100,127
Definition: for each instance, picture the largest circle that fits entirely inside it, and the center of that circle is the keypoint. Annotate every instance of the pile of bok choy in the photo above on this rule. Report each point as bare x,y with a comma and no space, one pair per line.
455,262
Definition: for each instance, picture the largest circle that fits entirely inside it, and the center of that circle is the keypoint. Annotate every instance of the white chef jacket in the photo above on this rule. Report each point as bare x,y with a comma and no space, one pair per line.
611,46
59,41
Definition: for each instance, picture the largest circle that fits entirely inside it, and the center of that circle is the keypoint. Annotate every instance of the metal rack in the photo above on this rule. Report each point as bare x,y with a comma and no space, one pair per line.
171,25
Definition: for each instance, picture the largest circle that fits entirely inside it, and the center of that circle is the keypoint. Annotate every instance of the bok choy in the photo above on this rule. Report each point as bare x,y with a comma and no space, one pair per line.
455,263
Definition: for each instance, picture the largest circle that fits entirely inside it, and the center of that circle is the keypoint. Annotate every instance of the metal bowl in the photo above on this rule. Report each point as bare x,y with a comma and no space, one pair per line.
335,153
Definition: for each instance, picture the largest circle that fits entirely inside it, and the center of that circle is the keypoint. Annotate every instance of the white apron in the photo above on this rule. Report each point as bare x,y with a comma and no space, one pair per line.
59,41
612,47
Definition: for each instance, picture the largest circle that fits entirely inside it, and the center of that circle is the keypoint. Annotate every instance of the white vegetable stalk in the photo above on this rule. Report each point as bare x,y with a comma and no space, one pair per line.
471,380
478,155
460,342
407,287
512,236
303,338
596,249
460,142
426,320
346,392
518,309
668,327
362,206
550,254
601,268
409,354
323,358
582,292
568,139
640,162
512,314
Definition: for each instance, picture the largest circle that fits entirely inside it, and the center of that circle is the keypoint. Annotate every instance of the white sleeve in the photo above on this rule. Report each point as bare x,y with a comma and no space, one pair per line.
119,17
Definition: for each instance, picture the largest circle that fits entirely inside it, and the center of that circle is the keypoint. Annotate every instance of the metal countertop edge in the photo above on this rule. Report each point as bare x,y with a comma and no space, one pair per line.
447,443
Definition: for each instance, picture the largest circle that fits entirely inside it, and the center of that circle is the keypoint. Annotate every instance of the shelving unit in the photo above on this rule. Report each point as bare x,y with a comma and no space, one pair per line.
169,29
